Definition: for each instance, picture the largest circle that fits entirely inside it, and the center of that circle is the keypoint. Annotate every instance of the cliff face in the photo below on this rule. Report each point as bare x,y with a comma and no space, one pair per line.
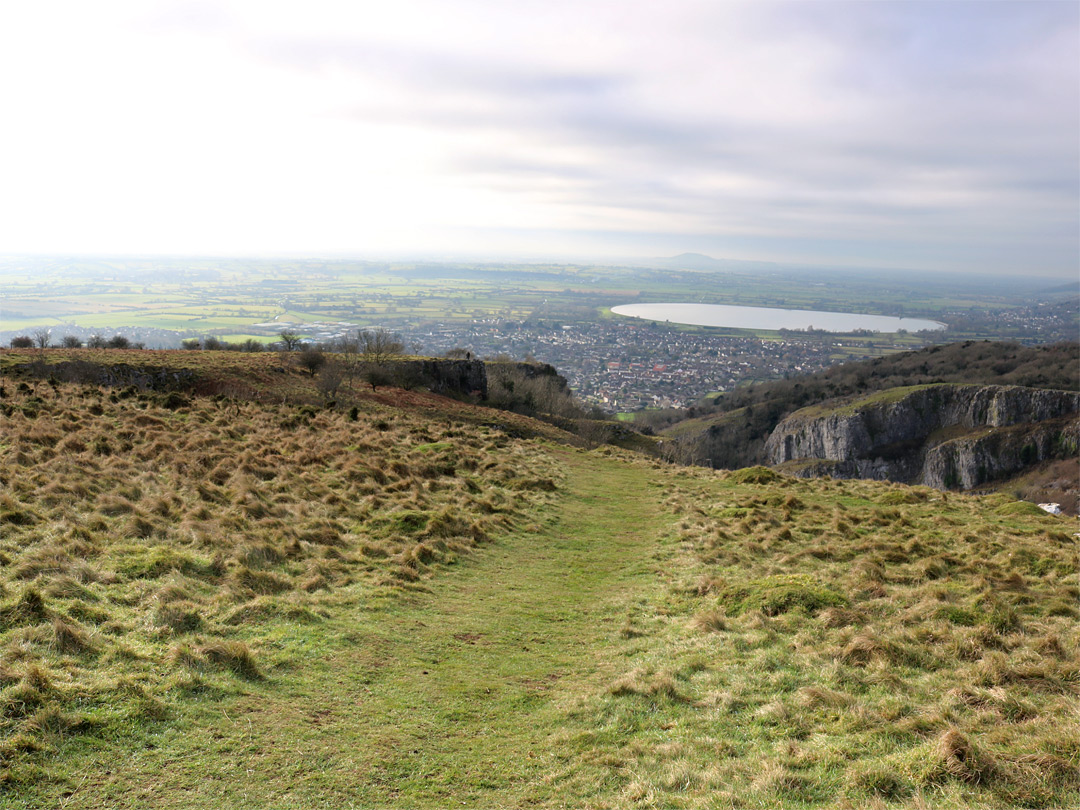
467,377
940,435
117,375
969,461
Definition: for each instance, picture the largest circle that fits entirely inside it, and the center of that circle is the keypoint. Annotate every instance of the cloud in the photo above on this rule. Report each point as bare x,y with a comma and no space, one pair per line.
903,128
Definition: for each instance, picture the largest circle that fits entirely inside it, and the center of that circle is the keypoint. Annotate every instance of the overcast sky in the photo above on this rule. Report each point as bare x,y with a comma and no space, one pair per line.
931,135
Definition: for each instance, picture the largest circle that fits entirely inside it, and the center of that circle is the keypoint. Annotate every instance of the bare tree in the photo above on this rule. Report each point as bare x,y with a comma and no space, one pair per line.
71,342
512,387
379,345
347,345
331,376
347,348
290,339
97,342
22,342
595,432
41,337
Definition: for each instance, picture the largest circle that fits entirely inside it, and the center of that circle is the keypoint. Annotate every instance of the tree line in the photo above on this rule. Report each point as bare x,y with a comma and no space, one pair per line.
42,339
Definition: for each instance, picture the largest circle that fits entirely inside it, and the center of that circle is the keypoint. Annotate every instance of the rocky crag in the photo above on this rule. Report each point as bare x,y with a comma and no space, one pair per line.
447,377
946,436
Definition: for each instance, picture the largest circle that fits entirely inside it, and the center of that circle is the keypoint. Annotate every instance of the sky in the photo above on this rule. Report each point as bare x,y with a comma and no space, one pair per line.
927,135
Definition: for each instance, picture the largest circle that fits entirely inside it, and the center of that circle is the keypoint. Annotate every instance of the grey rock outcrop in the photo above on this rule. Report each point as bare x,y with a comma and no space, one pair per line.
939,435
969,461
117,375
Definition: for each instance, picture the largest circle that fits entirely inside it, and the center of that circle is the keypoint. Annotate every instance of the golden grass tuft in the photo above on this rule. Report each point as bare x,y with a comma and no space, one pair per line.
234,656
50,720
878,781
259,555
178,616
67,587
834,617
69,638
815,697
958,757
28,609
245,579
35,677
645,683
711,621
1045,674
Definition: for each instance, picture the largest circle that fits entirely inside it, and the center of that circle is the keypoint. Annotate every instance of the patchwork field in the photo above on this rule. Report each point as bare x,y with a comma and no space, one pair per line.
214,296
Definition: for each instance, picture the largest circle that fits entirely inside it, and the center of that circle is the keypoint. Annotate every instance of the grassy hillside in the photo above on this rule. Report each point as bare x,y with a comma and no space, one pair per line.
253,601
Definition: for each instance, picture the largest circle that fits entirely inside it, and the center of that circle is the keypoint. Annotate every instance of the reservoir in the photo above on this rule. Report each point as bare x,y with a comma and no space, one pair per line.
772,318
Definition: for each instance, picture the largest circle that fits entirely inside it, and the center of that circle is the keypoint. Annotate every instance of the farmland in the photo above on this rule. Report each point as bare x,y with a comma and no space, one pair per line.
560,314
195,296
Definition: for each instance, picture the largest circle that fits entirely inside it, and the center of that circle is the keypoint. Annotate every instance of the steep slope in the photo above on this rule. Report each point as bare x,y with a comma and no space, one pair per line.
731,429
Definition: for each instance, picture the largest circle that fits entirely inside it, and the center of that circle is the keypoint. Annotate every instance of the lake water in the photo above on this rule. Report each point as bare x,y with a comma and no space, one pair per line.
771,318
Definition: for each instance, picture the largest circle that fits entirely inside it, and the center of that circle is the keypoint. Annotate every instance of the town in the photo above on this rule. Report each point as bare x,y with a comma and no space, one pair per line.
626,365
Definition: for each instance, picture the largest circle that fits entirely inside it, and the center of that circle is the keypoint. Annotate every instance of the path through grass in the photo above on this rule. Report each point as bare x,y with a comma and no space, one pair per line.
449,696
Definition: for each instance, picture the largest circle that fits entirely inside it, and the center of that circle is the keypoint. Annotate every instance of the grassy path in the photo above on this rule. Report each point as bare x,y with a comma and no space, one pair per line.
445,698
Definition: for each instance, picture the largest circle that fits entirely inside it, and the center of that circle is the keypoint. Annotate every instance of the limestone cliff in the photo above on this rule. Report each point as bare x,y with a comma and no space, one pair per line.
939,435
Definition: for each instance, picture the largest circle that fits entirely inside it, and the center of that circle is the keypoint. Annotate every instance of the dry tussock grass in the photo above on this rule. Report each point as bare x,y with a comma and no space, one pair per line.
128,524
948,676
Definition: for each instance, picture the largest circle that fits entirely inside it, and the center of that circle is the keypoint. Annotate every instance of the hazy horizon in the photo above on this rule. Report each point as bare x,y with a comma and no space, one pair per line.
891,136
718,265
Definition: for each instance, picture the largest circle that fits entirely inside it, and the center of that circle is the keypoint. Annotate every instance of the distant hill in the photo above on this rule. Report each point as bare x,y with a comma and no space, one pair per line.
699,261
1071,287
